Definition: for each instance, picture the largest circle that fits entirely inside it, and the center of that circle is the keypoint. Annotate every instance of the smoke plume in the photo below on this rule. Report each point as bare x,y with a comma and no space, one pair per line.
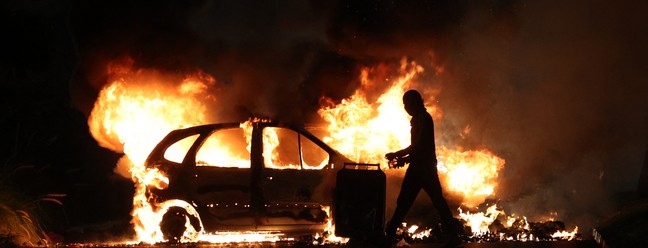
556,89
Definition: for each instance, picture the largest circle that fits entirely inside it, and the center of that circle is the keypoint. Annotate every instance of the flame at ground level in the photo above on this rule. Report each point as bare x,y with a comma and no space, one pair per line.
493,224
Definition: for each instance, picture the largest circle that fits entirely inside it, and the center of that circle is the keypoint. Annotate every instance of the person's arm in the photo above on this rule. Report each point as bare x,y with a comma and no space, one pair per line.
417,143
414,145
401,153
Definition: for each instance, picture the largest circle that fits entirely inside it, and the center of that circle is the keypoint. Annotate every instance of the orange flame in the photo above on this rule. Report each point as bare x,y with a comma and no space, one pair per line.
131,115
480,225
479,222
134,112
565,235
138,108
365,132
471,173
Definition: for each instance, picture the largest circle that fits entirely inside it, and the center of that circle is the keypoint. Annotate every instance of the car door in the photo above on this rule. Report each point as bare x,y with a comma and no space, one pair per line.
293,175
222,180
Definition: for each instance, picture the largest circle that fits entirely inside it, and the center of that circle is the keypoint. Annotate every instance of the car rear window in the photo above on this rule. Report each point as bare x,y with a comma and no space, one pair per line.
284,148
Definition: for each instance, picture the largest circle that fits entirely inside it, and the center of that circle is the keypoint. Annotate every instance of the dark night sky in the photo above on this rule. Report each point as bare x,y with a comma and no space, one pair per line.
556,88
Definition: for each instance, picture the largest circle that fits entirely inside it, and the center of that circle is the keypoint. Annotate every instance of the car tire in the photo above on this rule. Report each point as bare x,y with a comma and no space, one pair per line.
173,224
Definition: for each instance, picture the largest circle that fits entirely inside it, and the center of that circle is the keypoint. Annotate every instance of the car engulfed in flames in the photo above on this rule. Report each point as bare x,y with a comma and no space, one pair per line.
259,176
265,181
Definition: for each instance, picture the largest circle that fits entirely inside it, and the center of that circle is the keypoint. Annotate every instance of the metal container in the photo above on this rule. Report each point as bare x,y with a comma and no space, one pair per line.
360,201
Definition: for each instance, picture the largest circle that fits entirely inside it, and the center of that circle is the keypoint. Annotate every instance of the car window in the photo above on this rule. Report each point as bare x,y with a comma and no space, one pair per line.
224,148
313,156
178,151
286,149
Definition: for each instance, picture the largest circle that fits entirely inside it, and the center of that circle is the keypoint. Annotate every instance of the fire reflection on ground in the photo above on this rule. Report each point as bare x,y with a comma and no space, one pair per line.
507,244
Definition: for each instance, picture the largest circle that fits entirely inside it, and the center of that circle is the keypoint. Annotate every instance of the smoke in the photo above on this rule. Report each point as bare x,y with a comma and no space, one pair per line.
257,50
556,89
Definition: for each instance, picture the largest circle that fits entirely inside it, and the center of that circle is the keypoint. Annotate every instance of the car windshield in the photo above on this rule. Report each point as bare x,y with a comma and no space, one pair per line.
177,152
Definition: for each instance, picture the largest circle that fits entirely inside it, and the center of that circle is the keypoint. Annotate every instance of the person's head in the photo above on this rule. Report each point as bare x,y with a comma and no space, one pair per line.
413,102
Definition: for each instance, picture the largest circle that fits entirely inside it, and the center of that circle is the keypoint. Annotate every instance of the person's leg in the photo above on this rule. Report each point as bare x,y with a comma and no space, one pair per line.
432,187
409,190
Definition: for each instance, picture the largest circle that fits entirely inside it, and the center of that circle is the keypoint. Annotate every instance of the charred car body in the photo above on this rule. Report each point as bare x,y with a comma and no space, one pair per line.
257,175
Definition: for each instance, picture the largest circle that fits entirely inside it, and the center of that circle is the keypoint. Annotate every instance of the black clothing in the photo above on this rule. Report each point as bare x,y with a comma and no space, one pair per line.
422,151
421,174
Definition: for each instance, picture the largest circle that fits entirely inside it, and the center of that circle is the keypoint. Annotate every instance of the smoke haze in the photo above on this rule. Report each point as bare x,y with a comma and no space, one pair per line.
555,88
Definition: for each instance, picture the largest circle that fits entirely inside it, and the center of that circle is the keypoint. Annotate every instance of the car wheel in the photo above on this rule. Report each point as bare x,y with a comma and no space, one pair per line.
173,224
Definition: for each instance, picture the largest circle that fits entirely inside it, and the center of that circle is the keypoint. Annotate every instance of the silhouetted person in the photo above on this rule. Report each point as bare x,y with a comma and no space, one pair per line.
422,171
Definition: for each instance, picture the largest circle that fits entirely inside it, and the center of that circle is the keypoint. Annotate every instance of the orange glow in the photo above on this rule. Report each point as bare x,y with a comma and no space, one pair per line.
564,235
471,173
365,132
132,114
415,232
479,222
243,237
139,107
480,225
329,231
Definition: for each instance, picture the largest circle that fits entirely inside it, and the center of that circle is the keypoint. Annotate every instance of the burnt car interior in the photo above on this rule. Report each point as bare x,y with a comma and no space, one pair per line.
249,176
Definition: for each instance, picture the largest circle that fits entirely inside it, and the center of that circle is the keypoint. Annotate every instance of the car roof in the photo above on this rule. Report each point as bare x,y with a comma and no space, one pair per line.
204,130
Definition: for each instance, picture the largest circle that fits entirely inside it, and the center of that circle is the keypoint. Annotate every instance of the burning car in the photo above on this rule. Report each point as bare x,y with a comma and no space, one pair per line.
258,175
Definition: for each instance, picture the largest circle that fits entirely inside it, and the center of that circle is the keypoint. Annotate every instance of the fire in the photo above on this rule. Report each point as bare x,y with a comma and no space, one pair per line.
270,145
479,222
134,112
131,115
565,235
329,231
472,173
365,132
483,225
139,107
416,232
243,237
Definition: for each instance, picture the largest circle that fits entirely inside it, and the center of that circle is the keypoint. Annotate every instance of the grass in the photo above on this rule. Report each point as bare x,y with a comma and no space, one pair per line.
19,210
18,223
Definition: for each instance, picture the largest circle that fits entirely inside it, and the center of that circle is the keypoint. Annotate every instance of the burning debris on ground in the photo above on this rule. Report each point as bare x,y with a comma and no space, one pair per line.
497,232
